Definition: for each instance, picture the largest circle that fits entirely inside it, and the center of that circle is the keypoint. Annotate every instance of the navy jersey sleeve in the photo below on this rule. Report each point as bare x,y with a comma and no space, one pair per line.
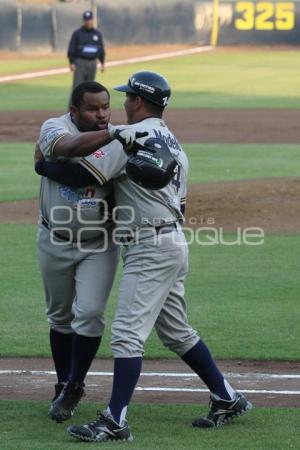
101,50
69,174
72,50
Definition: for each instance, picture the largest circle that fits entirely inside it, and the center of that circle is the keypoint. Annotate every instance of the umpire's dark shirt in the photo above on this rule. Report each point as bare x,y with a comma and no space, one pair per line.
87,44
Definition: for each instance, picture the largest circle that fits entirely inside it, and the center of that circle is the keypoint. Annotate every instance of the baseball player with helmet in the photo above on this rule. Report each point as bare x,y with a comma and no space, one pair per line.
155,256
77,256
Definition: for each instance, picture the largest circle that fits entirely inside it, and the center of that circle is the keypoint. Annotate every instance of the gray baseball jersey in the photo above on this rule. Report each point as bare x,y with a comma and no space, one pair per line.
152,286
62,206
77,276
138,207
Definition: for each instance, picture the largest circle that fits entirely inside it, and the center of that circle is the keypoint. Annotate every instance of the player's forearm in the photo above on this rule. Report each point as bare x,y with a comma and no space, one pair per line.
82,145
88,142
66,173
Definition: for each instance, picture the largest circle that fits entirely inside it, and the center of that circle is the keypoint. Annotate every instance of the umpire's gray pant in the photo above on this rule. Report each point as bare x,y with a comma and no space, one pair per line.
152,294
85,71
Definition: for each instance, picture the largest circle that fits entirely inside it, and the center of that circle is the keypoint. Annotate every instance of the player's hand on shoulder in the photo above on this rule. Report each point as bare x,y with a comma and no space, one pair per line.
127,135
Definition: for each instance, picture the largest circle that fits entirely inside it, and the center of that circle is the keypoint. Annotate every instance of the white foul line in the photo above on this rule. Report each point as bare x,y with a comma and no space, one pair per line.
157,374
121,62
247,391
174,374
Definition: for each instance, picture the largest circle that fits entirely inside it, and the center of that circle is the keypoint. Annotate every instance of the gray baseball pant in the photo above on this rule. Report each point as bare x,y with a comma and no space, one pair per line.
152,294
77,284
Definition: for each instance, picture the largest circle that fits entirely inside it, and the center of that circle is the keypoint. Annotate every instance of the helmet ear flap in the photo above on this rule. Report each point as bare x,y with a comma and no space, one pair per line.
151,165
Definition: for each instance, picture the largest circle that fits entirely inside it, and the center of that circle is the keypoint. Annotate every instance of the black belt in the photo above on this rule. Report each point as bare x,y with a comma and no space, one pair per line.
166,228
59,236
86,59
162,229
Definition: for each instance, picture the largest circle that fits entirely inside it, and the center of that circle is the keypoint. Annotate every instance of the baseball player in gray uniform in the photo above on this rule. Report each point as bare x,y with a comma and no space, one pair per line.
155,256
77,256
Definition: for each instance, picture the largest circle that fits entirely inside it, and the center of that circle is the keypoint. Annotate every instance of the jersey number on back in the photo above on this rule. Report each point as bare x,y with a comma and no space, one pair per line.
176,179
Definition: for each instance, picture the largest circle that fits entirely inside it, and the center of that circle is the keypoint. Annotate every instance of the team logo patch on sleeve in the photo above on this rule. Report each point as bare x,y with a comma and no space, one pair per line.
99,153
53,134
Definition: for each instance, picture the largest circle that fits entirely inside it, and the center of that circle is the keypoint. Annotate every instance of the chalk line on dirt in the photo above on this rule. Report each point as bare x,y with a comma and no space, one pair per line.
246,391
156,374
121,62
250,376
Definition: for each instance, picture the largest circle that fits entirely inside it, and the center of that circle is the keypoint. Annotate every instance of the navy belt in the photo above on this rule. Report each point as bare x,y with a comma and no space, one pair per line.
166,228
87,59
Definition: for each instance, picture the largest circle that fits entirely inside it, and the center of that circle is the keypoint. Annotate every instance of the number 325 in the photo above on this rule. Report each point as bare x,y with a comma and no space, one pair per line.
265,16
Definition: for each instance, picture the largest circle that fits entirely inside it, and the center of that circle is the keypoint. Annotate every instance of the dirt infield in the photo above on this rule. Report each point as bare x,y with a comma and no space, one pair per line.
191,125
266,383
272,204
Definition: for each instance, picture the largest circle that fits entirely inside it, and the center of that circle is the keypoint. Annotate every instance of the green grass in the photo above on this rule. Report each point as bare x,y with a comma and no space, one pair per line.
224,162
22,65
208,162
242,299
260,79
18,181
154,426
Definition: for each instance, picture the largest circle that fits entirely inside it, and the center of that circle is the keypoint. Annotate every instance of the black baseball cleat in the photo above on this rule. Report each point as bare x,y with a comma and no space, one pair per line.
223,411
58,387
63,407
103,429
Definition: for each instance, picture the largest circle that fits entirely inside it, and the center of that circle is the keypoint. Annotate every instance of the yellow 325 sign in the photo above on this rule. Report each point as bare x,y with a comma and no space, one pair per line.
265,16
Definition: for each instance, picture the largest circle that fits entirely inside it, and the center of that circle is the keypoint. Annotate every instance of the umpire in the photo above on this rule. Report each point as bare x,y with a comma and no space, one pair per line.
85,48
